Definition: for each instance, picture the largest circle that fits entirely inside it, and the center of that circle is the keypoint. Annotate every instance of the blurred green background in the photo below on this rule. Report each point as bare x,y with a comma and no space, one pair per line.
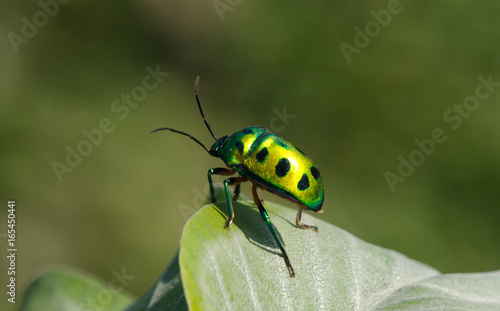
124,205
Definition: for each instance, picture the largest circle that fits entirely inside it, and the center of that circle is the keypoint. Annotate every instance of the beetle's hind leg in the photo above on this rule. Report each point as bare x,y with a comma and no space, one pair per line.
237,191
300,224
265,216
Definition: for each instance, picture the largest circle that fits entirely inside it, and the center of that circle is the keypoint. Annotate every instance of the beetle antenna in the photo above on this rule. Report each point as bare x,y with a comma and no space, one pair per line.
182,133
196,83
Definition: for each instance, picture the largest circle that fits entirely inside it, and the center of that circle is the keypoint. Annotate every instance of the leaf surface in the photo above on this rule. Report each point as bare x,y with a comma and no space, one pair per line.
68,290
242,269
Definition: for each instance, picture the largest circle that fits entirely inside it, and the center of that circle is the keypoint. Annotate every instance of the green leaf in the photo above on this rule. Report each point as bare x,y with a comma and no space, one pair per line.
165,294
242,269
67,290
472,291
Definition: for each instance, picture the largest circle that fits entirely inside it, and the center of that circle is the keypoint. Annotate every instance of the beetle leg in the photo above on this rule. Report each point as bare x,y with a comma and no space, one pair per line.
237,192
217,171
231,181
265,216
301,225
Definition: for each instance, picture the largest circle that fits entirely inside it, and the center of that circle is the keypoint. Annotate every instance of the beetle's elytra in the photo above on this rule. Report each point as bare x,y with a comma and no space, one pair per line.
269,162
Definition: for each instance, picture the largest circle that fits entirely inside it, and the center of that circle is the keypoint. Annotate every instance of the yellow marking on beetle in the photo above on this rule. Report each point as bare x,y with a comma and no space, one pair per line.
299,165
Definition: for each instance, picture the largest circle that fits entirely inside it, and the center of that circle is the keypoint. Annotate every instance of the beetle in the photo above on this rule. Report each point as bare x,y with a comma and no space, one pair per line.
267,161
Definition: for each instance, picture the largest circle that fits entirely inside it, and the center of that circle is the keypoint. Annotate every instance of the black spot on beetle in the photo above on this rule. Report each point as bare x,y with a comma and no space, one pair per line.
303,183
239,145
247,131
315,172
262,154
282,167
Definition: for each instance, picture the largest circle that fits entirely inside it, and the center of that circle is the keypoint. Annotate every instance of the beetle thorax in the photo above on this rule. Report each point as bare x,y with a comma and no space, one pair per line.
234,148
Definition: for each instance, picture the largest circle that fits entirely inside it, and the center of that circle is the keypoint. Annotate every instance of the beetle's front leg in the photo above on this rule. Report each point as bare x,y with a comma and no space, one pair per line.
217,171
231,181
300,224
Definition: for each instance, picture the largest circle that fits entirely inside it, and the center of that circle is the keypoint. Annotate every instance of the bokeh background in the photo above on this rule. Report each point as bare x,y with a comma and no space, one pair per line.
125,204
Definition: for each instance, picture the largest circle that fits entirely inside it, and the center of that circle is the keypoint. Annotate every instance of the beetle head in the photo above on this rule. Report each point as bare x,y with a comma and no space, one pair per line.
219,144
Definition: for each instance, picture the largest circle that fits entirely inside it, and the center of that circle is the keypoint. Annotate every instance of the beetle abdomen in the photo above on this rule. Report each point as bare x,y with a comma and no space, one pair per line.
285,170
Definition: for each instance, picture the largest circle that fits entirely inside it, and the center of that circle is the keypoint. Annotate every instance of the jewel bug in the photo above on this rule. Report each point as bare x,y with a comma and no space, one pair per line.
267,161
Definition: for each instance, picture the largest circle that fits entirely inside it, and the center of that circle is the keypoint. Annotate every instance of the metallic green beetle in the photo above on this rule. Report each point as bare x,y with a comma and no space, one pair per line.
268,162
